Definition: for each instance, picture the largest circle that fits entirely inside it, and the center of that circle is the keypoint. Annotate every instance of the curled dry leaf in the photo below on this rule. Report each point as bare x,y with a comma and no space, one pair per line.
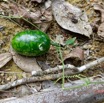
27,64
101,30
75,57
5,58
71,18
20,11
100,8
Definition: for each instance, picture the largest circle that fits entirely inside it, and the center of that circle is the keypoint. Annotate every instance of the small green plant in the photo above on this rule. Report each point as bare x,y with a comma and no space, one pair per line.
79,76
86,80
70,41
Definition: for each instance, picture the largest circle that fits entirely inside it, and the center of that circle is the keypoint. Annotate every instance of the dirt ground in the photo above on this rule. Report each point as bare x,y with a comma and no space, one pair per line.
95,46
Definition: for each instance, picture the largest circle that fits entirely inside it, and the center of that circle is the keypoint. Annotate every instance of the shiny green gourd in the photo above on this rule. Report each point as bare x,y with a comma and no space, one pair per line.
31,43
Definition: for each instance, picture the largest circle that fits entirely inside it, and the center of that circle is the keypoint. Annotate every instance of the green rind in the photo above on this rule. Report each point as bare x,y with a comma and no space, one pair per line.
31,43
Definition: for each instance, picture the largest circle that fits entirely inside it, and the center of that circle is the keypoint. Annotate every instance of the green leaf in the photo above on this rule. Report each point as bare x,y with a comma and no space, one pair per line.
70,41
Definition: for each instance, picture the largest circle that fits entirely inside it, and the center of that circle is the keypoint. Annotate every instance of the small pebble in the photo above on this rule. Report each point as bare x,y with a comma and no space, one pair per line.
1,28
2,74
8,79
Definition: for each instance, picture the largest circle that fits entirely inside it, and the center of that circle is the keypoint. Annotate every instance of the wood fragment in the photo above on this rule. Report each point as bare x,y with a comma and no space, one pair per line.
93,93
50,76
70,68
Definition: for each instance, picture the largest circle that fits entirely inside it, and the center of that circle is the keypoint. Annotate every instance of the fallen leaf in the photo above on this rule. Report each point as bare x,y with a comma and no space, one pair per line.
44,26
22,91
100,7
4,59
27,64
48,4
43,65
71,18
76,56
20,11
101,30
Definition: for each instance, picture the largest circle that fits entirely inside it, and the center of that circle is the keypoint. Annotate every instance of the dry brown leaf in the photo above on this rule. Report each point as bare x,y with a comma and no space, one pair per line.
75,57
71,18
21,11
27,64
101,30
100,8
5,58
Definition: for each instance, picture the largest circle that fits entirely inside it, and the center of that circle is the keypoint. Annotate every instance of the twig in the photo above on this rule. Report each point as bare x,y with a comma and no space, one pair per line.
31,79
69,67
11,72
89,65
50,76
53,70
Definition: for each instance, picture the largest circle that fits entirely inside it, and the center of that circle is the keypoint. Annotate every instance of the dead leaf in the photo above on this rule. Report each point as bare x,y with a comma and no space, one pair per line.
75,57
44,26
43,65
101,30
27,64
5,58
20,11
71,18
100,7
48,4
22,91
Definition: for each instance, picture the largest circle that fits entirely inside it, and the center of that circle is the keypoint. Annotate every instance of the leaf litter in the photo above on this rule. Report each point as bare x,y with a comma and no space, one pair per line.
100,7
44,15
71,18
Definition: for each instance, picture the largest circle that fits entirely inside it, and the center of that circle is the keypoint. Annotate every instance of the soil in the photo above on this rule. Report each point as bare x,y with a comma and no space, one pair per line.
96,48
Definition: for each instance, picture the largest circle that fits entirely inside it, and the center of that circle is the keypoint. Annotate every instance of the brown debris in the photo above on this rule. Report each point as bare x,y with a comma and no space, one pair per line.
71,17
100,7
75,57
5,58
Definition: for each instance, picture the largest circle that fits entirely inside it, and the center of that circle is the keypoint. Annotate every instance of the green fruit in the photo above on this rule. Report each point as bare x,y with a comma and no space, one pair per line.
31,43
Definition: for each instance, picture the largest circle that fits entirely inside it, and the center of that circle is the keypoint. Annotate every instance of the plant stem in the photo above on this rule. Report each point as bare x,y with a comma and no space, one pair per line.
55,44
31,23
62,61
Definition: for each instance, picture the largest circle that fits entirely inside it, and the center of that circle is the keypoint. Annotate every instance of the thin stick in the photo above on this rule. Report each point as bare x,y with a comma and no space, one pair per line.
69,67
53,70
5,72
48,77
89,65
30,80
